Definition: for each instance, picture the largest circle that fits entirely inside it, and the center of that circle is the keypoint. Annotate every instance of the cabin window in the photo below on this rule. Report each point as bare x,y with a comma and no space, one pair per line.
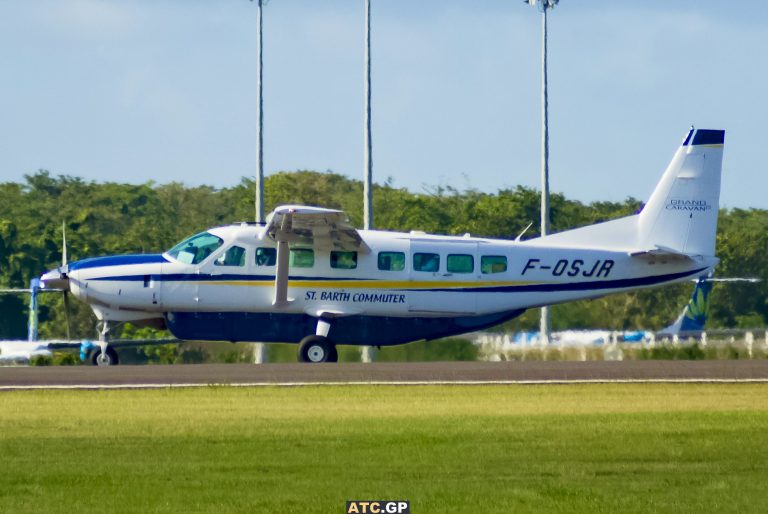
343,260
493,264
426,262
391,261
195,249
234,256
460,263
266,256
301,258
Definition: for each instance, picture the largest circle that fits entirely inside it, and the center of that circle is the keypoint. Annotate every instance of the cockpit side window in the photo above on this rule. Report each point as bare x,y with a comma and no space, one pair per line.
266,256
196,249
234,256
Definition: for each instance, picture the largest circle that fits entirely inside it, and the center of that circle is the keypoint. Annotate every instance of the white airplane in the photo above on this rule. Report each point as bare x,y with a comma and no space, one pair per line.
21,352
308,277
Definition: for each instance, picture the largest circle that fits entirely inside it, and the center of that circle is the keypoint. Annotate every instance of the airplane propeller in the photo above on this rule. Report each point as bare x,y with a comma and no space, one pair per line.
58,279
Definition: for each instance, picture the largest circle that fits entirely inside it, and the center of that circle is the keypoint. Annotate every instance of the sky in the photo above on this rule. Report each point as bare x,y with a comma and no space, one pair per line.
165,90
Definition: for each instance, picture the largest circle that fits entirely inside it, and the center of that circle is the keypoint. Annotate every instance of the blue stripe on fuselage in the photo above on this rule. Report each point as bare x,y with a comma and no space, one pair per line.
117,260
525,288
577,286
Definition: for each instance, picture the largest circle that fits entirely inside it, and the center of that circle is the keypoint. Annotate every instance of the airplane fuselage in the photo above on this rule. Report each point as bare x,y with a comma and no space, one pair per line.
409,286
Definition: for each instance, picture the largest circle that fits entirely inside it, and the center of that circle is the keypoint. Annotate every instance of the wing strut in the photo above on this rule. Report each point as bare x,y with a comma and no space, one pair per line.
283,252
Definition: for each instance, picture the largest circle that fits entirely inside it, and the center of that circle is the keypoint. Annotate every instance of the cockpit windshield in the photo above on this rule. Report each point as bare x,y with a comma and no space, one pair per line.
195,249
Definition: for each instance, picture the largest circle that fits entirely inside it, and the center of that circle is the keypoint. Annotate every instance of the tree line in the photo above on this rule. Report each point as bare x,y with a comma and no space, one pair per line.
114,218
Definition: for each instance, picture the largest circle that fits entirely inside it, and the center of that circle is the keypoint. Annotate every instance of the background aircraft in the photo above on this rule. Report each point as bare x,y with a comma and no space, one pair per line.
692,320
689,324
21,352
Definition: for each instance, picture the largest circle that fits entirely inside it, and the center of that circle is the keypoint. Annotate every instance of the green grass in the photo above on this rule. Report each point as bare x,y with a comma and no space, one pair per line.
590,448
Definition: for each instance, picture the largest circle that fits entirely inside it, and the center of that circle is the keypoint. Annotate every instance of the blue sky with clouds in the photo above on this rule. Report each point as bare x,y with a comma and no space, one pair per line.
164,90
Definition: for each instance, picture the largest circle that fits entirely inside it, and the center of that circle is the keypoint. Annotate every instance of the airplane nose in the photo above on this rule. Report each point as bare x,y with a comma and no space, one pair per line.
55,279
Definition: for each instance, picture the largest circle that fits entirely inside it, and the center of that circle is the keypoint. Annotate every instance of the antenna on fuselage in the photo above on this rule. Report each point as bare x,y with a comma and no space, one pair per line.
517,239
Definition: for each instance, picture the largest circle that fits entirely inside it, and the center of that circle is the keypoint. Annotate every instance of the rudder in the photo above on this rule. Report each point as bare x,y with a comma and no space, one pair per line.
682,212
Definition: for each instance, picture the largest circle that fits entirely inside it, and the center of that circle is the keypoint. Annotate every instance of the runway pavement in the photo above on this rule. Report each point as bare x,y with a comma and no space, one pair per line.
194,375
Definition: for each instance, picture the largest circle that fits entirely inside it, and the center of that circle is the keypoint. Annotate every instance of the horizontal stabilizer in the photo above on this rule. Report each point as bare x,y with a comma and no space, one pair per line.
661,254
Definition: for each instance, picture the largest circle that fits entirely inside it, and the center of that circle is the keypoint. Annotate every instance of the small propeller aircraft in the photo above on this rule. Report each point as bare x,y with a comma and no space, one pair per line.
307,276
691,321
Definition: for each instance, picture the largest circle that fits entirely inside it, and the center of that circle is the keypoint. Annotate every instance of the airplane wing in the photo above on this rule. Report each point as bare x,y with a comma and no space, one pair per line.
28,291
115,343
324,229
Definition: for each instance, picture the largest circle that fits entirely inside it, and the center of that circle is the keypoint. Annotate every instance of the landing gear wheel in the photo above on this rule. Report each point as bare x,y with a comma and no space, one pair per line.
104,359
317,349
334,356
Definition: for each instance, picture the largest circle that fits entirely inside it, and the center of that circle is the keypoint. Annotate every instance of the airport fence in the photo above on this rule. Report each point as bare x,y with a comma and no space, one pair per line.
714,345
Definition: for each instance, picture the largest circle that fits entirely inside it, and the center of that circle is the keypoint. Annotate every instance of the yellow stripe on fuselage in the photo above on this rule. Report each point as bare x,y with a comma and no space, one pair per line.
369,284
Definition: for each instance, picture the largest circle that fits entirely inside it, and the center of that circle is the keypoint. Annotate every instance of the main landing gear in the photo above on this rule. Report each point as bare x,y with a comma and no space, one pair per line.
317,347
104,355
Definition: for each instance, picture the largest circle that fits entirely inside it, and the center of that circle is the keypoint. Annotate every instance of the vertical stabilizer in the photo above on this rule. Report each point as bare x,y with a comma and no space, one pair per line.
682,211
694,316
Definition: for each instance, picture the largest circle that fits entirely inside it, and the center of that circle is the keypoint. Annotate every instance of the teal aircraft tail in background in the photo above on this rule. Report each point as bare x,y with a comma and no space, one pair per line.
693,318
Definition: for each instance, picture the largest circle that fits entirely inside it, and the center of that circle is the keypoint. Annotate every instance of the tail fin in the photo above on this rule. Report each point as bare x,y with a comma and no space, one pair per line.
682,211
694,316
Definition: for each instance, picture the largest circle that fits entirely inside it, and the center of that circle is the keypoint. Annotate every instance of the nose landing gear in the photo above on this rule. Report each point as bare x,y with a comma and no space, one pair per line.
104,355
107,357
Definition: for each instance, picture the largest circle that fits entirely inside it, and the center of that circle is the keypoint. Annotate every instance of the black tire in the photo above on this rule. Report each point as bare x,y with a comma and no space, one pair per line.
316,349
334,356
111,360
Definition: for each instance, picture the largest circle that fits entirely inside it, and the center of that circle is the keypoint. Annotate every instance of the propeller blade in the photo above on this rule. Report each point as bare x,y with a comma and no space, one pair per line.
64,245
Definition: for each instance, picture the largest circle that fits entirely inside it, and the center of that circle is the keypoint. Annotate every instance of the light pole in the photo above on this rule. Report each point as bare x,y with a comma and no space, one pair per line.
544,6
367,351
368,155
260,349
260,116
